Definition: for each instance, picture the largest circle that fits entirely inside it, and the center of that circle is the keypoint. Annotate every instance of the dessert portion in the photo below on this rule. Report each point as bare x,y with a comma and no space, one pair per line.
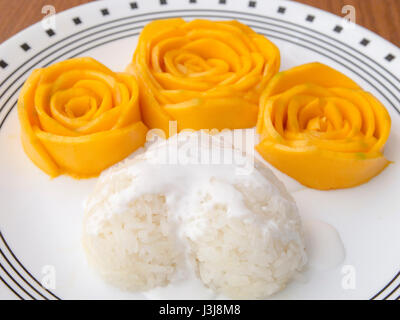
319,127
203,74
152,223
78,117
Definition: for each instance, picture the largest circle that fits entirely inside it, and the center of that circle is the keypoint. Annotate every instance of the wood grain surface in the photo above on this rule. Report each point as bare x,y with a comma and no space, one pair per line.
380,16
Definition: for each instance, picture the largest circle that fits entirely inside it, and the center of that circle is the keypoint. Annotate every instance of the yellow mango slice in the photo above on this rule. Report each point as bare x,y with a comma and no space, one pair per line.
319,127
203,74
78,117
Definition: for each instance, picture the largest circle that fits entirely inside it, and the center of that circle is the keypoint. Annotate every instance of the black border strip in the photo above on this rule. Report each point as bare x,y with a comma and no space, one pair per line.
197,16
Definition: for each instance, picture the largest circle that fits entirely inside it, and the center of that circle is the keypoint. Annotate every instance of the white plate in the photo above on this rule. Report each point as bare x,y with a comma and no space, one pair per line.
40,219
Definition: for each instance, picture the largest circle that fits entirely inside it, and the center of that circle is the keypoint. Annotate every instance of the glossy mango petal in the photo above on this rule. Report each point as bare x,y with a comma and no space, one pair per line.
78,117
203,74
319,127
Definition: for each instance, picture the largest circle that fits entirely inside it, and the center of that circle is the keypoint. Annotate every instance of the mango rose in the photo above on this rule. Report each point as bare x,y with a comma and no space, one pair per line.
319,127
78,117
203,74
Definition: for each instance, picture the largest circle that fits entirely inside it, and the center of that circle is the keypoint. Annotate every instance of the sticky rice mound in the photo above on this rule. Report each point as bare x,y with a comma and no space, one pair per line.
149,223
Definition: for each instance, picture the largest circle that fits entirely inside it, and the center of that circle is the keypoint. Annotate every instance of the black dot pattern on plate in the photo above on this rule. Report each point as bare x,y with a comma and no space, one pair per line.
281,10
3,64
192,1
105,12
310,18
390,57
163,2
50,32
364,42
77,20
25,47
133,5
252,4
338,29
222,1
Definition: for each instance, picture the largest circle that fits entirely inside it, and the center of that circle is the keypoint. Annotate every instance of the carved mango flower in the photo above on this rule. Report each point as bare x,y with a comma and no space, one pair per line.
78,117
319,127
203,74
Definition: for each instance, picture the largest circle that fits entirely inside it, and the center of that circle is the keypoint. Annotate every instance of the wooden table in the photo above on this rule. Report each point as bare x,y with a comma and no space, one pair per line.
380,16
